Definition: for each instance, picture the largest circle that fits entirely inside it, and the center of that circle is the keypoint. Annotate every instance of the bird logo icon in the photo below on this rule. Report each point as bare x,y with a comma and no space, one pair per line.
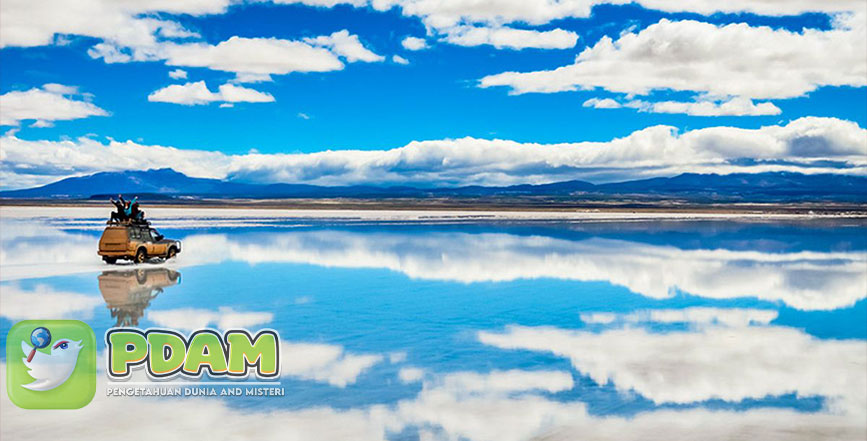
49,370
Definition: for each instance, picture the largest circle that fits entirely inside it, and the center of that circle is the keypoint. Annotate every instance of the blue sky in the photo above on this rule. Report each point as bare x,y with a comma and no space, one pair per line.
366,99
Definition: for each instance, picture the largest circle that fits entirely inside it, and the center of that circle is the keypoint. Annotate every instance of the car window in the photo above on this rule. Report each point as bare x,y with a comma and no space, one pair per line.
134,233
146,235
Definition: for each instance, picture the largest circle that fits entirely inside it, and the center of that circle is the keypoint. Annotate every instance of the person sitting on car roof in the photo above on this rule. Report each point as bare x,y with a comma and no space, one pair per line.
135,213
119,215
128,207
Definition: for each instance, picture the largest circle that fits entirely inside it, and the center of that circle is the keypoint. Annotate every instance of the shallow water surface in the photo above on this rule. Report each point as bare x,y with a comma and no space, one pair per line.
474,329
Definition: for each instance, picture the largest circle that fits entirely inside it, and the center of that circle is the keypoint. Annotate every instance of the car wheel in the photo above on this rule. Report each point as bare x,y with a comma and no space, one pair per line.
110,260
140,255
172,253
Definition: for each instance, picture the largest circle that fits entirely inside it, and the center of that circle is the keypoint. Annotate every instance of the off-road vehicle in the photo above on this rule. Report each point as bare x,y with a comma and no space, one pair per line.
136,242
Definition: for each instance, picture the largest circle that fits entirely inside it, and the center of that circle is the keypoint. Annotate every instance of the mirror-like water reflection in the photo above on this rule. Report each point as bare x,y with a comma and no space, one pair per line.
481,331
128,293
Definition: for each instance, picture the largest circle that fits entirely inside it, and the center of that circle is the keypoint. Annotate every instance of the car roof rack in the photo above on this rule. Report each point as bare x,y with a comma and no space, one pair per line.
130,223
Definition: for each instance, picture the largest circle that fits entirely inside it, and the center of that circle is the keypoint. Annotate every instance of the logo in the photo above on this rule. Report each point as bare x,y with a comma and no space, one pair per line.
51,364
164,353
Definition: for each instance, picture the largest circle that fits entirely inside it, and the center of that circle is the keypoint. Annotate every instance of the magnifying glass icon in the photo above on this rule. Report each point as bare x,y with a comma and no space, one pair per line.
39,338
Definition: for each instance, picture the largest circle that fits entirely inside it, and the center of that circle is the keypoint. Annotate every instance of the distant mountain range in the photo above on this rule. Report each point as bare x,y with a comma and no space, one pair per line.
740,187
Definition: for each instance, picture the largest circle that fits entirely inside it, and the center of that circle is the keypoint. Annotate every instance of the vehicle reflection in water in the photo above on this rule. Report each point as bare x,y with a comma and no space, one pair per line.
128,293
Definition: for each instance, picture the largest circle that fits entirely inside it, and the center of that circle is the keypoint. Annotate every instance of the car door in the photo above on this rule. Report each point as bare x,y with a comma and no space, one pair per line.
158,248
148,241
135,240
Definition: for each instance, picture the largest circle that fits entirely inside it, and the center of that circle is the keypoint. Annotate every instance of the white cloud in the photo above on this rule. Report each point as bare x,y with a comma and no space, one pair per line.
504,382
605,103
345,45
836,279
246,77
251,59
110,53
197,93
697,316
178,74
805,145
189,319
449,413
440,14
509,38
324,362
129,32
43,302
53,102
303,115
735,106
726,363
414,43
399,60
659,272
655,151
410,374
262,56
436,413
124,23
731,60
761,7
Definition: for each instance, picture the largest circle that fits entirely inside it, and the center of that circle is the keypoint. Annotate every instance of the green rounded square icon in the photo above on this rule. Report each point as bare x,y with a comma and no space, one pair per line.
51,364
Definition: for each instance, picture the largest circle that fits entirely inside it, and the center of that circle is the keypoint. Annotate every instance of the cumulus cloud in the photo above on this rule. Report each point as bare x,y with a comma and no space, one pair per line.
129,31
414,43
178,74
51,102
399,60
837,279
17,303
603,103
130,24
440,14
251,59
436,413
198,93
803,145
253,56
510,38
324,362
189,319
736,106
732,60
504,382
656,271
718,362
346,45
695,316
